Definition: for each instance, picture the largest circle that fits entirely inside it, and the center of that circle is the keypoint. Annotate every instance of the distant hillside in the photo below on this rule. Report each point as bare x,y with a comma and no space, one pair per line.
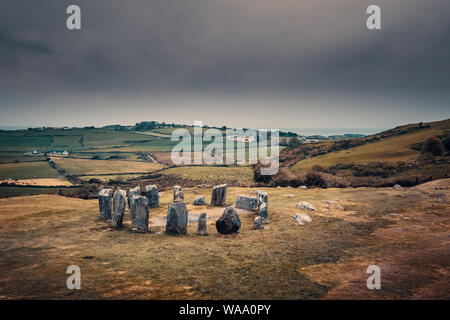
395,153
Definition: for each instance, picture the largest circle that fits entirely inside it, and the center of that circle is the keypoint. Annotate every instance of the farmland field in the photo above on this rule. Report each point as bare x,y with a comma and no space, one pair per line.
93,167
27,170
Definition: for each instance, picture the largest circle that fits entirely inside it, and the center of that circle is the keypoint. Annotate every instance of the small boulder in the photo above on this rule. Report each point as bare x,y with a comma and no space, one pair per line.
199,201
397,187
219,195
303,187
178,194
229,222
119,204
177,218
105,203
139,212
305,205
201,229
152,194
246,202
258,223
301,218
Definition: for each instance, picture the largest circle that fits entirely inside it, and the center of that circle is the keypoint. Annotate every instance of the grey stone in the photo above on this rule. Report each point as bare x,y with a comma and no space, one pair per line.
258,223
177,218
397,187
305,205
199,201
201,229
178,194
119,204
301,218
219,195
139,212
229,222
104,203
152,194
303,187
263,211
131,192
246,202
262,197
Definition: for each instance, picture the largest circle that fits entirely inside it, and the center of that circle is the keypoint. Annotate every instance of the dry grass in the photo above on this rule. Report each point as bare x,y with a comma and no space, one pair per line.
393,149
39,182
213,173
404,231
95,167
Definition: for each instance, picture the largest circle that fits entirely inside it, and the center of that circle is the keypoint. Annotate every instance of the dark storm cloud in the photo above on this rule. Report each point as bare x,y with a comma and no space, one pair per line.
234,50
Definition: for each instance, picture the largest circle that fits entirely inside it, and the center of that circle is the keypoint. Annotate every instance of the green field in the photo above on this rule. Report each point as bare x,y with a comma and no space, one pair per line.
27,170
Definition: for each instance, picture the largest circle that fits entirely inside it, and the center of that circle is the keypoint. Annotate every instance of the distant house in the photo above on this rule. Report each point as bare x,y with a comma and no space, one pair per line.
59,152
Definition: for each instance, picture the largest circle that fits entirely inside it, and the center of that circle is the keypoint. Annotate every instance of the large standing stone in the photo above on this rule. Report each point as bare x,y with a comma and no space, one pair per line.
152,194
104,203
219,195
177,218
201,229
246,202
263,205
178,194
119,204
262,197
139,212
229,222
199,201
133,191
264,212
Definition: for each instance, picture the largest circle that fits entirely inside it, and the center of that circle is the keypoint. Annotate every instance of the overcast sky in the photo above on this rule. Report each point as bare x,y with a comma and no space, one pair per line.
244,63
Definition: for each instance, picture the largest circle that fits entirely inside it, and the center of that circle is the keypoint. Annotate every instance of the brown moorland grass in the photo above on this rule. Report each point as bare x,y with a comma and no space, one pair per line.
404,231
391,149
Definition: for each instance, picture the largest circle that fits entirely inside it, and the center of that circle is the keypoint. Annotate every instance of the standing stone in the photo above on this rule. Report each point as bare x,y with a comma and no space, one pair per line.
262,197
199,201
119,204
246,202
263,205
258,223
177,218
152,194
264,212
178,194
133,191
139,212
201,229
104,202
229,222
219,195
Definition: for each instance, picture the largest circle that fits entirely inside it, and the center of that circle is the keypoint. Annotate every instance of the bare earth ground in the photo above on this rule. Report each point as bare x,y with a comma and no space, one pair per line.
404,232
